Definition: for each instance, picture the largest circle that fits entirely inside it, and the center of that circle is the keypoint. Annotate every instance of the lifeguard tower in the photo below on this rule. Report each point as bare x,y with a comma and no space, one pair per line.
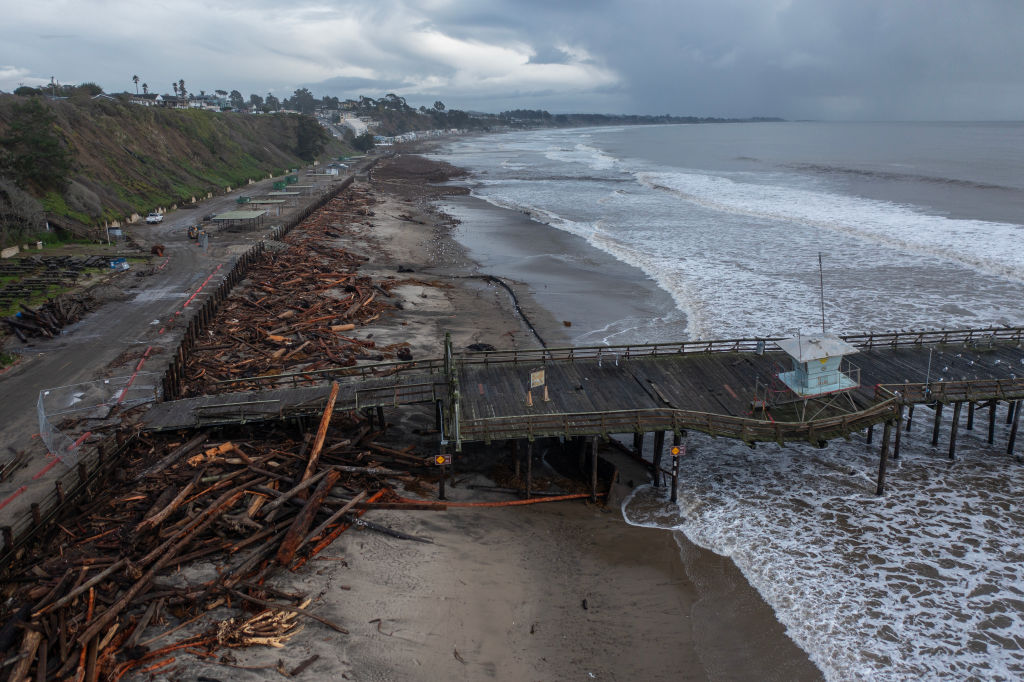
818,365
820,376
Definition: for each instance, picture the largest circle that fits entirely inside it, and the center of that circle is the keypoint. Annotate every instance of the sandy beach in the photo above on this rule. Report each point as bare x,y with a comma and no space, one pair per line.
554,591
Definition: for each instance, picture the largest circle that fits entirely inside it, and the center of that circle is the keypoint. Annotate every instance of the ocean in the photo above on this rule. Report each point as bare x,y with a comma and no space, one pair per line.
715,231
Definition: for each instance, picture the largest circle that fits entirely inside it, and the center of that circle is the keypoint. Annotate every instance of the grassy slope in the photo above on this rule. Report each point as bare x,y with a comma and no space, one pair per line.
131,159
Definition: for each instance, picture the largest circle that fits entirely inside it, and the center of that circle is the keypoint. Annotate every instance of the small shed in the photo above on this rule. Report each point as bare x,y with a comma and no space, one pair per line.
818,366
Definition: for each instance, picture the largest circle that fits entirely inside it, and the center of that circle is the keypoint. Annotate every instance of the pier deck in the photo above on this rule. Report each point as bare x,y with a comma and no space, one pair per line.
716,387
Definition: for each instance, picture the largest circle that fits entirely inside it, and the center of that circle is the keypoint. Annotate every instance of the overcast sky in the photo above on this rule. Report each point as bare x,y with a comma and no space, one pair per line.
827,59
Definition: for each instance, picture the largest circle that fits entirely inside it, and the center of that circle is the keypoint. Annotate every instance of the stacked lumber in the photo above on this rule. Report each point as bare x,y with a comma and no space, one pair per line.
300,309
108,592
48,319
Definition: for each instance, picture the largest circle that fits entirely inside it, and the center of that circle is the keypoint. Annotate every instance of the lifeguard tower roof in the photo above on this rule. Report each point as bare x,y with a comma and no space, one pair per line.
815,347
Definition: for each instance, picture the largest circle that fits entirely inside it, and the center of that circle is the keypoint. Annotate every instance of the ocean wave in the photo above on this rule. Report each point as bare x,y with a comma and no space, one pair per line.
974,243
875,174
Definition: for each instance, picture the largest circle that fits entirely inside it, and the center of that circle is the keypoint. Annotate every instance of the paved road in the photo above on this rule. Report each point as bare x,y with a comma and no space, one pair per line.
152,316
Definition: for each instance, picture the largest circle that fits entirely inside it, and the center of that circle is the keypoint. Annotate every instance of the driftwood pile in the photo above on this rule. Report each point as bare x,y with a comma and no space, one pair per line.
48,319
300,308
191,535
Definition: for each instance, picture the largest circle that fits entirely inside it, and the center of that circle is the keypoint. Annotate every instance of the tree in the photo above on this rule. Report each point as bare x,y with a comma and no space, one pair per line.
222,93
90,89
135,79
175,86
303,101
272,103
364,142
145,88
237,101
181,88
255,102
37,155
26,91
310,138
439,105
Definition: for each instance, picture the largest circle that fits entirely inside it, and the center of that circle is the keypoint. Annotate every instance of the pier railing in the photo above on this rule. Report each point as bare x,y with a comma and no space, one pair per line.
973,337
666,419
953,391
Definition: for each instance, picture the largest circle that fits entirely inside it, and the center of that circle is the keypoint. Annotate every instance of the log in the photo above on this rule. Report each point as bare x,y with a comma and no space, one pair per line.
174,456
296,535
321,432
183,538
289,609
29,644
335,516
162,515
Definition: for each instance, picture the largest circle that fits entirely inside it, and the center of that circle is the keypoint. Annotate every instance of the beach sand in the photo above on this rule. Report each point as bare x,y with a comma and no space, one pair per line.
558,591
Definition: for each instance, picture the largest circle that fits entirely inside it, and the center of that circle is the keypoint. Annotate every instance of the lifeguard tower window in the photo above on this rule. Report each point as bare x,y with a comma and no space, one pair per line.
819,365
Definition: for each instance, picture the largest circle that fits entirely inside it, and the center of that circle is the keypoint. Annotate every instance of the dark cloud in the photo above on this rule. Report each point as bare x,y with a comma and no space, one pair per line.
833,59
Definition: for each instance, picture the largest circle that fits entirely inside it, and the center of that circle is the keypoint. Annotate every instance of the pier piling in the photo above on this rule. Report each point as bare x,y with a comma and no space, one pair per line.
659,445
676,442
938,423
992,421
1013,429
957,407
899,431
883,456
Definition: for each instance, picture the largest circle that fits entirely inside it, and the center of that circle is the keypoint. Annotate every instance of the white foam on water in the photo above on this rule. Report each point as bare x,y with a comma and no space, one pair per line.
975,243
924,583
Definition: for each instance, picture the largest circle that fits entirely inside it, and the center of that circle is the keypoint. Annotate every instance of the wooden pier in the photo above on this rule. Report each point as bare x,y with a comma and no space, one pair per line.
725,388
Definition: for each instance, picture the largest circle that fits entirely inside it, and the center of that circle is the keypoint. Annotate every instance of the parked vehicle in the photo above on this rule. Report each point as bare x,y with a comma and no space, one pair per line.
154,218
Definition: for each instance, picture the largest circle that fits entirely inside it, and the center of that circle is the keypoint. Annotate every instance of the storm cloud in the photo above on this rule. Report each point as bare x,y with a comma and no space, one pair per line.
827,59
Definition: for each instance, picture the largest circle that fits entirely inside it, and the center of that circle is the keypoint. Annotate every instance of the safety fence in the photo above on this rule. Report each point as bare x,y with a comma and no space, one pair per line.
68,413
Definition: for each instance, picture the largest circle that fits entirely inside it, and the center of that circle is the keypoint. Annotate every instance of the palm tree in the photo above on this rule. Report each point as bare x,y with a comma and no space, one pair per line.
135,79
145,88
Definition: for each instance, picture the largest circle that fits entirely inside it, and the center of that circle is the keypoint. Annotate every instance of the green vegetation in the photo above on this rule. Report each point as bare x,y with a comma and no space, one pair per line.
102,160
33,151
7,359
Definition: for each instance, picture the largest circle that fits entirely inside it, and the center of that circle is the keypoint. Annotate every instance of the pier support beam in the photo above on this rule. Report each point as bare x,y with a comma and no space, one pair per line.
880,490
1011,408
593,468
442,475
910,416
513,448
899,431
529,469
659,446
871,434
970,416
638,445
677,440
1013,430
992,421
938,423
953,429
